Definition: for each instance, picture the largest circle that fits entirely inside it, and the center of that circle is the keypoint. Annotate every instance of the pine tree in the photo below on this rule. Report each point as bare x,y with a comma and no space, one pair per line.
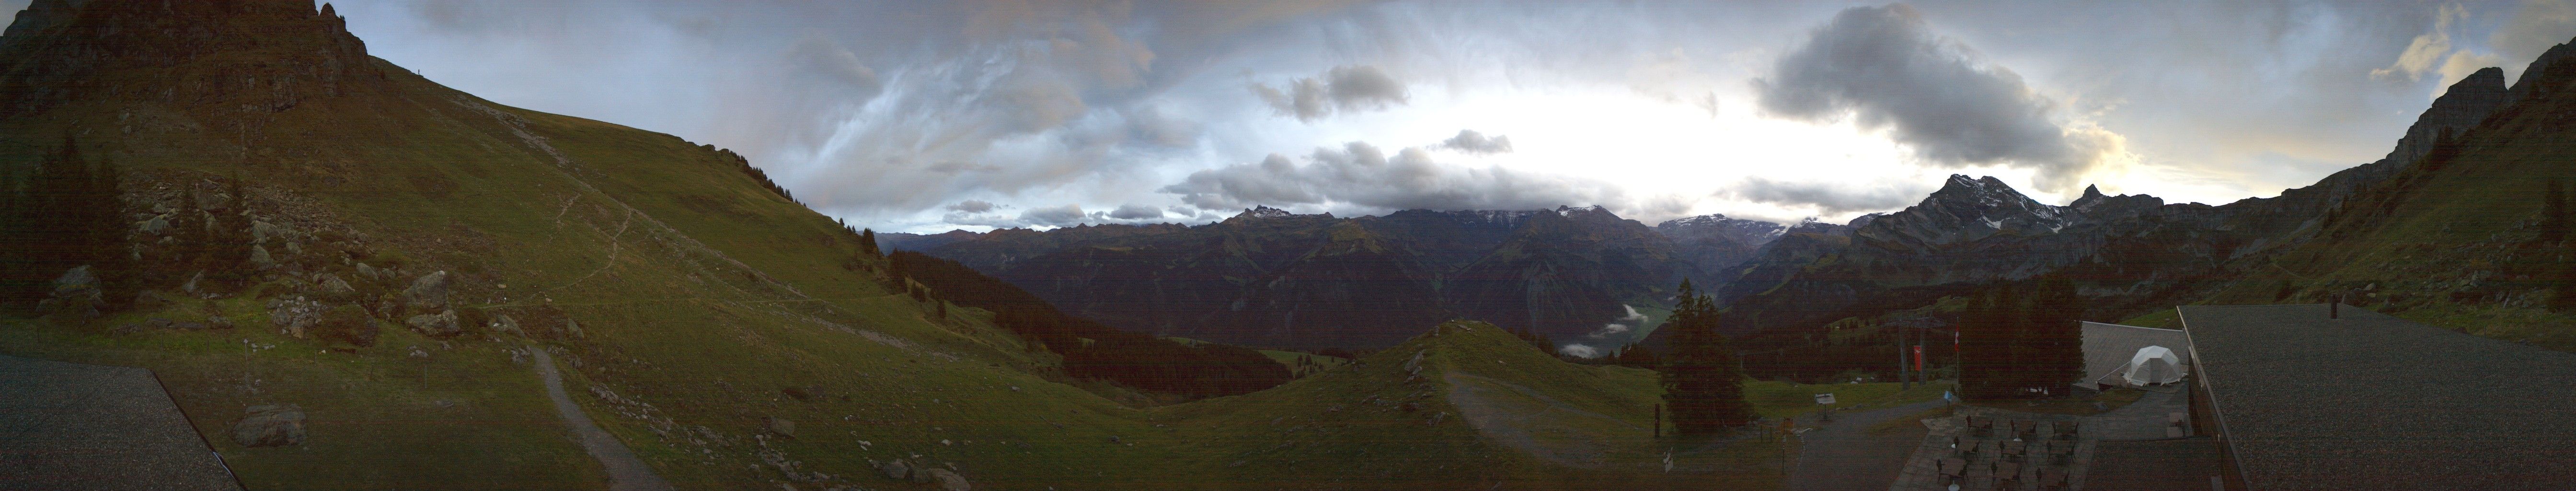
868,243
1986,332
1703,386
229,244
2019,342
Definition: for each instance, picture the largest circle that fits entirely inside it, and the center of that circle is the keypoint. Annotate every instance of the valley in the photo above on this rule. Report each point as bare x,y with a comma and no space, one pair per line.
448,292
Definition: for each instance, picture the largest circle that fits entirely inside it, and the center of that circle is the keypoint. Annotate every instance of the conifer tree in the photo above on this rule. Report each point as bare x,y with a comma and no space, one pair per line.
1703,386
69,215
228,244
2019,341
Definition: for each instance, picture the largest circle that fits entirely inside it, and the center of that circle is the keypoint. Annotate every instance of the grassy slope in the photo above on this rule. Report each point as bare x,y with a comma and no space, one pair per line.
1348,429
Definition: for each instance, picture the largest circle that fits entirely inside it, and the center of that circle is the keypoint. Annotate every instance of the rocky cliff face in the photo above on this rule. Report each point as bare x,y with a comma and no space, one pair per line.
1269,277
211,58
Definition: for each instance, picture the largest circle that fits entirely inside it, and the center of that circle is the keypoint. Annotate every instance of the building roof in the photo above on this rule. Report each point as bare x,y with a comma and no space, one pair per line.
74,426
2107,347
2370,401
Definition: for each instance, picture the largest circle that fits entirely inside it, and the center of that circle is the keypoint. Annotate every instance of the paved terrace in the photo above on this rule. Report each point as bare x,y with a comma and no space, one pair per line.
73,426
2370,402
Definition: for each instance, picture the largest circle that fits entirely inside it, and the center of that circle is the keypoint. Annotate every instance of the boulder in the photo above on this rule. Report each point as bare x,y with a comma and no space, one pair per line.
76,292
293,316
334,286
159,323
428,292
259,257
218,322
779,426
948,480
191,286
149,300
368,272
895,469
157,226
213,201
921,472
439,325
190,326
503,324
270,425
572,328
261,231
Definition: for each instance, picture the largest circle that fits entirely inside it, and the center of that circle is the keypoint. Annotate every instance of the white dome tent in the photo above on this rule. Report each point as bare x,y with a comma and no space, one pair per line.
2153,365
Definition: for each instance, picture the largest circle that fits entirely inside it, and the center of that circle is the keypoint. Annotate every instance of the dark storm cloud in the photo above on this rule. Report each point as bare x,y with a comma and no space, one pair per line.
1058,216
1344,89
1362,175
971,206
1828,198
1885,68
1470,141
1136,212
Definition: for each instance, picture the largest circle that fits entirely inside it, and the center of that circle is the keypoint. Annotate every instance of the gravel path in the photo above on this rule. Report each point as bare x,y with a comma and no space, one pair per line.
1843,455
625,472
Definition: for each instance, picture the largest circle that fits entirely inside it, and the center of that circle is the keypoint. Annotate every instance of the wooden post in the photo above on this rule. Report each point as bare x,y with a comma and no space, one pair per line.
1659,421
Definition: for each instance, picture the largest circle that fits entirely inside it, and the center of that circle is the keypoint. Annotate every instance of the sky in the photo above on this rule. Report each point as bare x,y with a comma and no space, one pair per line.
923,117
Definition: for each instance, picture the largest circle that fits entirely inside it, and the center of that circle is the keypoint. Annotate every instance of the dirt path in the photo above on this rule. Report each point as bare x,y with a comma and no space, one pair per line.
625,472
1843,455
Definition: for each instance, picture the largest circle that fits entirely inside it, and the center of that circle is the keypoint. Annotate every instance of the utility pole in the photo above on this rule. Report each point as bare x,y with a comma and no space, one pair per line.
1902,377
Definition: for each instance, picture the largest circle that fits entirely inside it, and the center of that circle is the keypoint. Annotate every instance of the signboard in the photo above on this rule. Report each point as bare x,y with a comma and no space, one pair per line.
1825,398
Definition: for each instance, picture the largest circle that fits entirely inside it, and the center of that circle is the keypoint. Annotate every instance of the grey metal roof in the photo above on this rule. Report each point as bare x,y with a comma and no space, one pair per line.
2370,401
74,426
2107,347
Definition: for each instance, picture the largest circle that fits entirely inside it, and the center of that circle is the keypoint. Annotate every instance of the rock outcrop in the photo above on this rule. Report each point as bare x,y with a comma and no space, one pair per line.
438,325
429,292
270,425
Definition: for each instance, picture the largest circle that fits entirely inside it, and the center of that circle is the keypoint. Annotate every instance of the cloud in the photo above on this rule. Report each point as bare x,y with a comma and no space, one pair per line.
2538,25
826,60
2434,52
1362,175
1579,351
1136,212
1884,68
1608,330
1469,141
1343,89
971,206
1059,216
1829,198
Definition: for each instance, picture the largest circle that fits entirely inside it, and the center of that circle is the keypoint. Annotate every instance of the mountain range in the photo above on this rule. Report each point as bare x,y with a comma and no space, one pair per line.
1266,277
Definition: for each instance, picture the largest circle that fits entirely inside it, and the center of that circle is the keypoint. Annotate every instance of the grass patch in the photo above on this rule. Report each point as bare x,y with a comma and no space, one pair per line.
1771,399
